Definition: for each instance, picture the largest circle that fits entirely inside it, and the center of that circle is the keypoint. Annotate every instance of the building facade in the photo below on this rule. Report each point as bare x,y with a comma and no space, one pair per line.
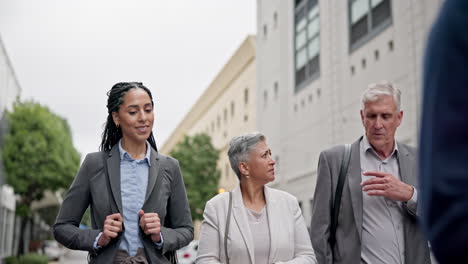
314,60
9,91
224,110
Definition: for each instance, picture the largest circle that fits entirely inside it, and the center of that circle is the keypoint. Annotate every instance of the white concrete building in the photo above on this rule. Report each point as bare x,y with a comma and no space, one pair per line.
315,58
9,90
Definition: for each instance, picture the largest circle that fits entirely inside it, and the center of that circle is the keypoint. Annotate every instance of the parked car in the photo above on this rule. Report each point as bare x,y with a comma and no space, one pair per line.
52,249
188,254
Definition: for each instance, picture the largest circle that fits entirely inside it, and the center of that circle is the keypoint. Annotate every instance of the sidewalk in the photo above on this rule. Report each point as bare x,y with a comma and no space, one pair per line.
72,257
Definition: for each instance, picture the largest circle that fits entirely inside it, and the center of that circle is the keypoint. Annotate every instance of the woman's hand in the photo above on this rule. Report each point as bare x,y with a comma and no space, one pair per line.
112,228
151,225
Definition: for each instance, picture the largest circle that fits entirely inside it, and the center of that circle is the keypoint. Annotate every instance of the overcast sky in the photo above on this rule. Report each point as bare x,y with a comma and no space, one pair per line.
67,54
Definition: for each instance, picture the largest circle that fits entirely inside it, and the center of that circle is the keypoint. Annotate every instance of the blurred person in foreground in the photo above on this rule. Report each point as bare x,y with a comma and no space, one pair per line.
265,225
443,153
378,219
139,208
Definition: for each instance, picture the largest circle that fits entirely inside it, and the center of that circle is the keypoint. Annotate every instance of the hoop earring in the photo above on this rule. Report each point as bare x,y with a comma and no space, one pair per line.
117,125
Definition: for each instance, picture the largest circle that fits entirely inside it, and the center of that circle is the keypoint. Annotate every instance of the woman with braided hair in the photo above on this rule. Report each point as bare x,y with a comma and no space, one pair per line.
139,207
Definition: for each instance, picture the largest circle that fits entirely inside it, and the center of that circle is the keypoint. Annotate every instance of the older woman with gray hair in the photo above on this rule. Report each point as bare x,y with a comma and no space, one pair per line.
253,223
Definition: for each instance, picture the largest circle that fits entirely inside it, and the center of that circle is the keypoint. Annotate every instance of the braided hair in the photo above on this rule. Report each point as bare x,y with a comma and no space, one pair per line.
112,134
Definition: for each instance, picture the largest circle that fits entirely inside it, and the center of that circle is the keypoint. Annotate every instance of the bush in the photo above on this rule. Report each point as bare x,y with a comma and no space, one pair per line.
11,260
33,258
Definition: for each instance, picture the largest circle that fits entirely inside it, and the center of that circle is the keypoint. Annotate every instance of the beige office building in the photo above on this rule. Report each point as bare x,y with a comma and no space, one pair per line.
224,110
315,58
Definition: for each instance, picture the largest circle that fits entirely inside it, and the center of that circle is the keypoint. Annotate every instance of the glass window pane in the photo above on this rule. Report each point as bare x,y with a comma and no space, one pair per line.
359,30
301,58
313,47
381,13
301,24
359,8
313,12
376,2
301,39
313,28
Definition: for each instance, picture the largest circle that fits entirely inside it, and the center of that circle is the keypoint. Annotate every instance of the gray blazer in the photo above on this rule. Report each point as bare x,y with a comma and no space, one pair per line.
348,233
97,185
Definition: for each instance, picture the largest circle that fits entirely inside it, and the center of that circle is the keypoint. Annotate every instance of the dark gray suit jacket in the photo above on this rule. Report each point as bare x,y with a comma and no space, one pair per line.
97,185
348,233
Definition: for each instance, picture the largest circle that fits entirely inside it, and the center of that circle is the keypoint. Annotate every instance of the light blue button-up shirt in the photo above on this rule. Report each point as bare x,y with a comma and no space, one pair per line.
133,184
382,218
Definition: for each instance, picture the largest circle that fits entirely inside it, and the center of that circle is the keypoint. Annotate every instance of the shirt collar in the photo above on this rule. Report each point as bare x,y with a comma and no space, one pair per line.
125,155
366,145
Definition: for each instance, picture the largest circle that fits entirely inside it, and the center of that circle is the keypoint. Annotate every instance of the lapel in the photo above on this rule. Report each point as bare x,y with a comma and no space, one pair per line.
152,174
113,168
274,223
354,181
404,163
241,220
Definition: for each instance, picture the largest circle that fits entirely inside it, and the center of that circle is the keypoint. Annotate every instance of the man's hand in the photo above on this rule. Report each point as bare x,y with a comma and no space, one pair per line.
112,228
385,184
151,225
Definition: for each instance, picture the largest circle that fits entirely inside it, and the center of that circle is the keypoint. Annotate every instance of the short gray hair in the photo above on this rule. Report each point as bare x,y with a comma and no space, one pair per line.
376,90
240,147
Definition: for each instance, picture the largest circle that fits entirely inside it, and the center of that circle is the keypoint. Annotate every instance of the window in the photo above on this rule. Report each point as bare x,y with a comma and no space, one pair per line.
225,115
265,31
367,18
218,121
275,89
232,109
307,42
246,95
265,98
275,19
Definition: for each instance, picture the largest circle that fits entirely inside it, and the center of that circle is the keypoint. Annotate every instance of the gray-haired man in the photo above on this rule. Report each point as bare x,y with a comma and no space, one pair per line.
378,214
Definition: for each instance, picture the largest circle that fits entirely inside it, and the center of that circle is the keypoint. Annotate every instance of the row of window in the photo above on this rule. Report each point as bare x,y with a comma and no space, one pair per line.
216,124
366,19
309,100
376,58
275,25
275,94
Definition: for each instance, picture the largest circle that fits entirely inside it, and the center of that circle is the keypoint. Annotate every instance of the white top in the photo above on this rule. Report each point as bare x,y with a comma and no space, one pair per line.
258,222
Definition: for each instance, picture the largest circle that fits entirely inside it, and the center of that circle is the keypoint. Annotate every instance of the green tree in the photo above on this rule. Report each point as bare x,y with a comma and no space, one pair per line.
38,154
198,160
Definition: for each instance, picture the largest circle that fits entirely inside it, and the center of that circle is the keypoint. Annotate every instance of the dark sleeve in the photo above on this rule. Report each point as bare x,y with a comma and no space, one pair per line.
179,231
443,163
66,228
320,225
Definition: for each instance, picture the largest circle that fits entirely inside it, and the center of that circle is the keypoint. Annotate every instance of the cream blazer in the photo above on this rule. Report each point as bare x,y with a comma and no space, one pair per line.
289,241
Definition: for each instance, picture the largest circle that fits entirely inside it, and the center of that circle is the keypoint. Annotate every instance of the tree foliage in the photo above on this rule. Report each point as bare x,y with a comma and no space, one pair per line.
198,162
38,152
